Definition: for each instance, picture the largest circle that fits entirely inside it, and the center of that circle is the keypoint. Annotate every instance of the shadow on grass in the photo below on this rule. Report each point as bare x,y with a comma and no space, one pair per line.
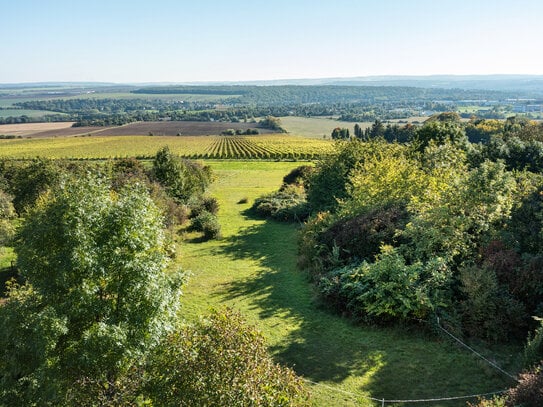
316,349
392,362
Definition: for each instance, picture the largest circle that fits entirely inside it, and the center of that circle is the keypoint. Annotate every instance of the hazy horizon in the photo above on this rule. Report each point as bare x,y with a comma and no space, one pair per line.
240,41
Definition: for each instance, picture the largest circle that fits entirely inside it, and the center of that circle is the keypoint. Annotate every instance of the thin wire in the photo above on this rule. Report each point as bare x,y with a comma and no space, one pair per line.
474,351
357,395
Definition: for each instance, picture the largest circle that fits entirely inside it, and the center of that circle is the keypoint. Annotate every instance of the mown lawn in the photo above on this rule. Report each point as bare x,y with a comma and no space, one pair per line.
253,269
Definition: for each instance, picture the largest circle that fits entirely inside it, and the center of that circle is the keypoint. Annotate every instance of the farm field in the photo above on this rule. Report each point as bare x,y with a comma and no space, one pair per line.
103,147
253,270
29,129
314,127
321,127
165,128
184,128
24,112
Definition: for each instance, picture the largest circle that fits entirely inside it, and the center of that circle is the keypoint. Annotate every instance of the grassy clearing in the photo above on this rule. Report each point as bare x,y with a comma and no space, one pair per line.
313,127
253,270
317,127
24,112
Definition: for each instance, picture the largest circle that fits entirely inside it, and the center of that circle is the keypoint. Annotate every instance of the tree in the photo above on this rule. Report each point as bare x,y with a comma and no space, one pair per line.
217,362
340,134
7,213
377,129
358,131
96,296
32,180
440,132
182,179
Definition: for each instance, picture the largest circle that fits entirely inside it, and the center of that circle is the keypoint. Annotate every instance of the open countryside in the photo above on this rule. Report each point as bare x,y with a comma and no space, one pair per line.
290,204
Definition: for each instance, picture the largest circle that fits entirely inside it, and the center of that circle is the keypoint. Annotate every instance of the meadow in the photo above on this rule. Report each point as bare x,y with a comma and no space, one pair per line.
253,269
313,127
23,112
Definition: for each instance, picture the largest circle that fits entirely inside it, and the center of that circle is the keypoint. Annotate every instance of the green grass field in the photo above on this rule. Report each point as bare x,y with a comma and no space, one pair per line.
253,269
24,112
316,127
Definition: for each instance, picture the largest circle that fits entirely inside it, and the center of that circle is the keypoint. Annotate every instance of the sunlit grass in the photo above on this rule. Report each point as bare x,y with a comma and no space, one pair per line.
252,269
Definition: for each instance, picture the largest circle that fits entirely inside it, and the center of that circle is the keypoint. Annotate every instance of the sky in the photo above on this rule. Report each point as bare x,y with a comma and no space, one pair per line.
237,40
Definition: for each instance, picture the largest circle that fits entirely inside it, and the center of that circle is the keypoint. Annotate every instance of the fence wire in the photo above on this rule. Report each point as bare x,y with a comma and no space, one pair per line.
384,401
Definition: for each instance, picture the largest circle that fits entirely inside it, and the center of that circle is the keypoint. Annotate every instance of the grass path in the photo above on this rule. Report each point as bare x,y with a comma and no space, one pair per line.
252,269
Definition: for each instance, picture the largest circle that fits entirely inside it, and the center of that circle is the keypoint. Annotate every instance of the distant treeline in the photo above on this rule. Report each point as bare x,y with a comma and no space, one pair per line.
244,103
27,119
291,94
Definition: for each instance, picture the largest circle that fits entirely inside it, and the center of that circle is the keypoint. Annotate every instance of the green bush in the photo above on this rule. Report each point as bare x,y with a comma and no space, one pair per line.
220,361
182,179
360,238
7,213
299,175
287,204
203,204
173,213
390,288
208,224
487,310
533,352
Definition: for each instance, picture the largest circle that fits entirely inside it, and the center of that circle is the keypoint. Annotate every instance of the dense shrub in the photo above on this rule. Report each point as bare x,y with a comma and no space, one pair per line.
208,224
330,182
287,204
31,180
299,175
7,213
533,351
96,296
361,237
527,393
310,253
440,132
203,204
127,170
173,212
525,228
389,288
220,361
487,310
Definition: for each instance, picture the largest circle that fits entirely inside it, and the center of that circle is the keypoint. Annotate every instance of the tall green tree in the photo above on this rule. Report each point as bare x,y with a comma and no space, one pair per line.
96,296
182,179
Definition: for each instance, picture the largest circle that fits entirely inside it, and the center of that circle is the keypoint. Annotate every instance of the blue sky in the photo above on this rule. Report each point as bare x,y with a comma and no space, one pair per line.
212,40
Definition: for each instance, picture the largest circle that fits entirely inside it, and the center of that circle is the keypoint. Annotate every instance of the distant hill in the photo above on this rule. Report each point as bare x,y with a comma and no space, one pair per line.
525,84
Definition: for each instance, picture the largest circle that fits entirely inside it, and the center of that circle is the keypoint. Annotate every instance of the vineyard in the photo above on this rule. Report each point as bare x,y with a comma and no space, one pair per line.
249,148
262,147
